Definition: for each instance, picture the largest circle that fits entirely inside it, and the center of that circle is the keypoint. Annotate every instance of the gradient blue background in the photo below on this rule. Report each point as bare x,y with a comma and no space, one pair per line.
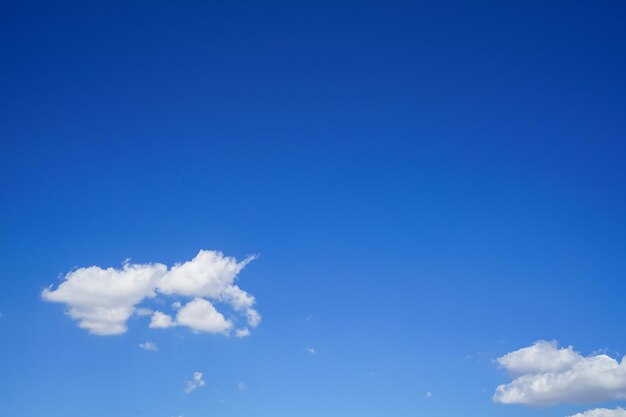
430,185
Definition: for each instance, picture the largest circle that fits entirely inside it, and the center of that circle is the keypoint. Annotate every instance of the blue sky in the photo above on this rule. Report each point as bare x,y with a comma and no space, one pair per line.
429,186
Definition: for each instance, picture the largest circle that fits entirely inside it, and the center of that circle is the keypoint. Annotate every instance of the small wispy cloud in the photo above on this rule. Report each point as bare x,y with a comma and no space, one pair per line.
429,394
242,332
142,312
150,346
311,351
194,383
241,386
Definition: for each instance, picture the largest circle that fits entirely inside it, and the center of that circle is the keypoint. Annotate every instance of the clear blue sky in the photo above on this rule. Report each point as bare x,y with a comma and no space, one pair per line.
430,185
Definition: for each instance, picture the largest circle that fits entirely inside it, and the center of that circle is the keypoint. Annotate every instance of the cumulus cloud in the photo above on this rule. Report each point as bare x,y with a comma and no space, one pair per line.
194,383
602,412
201,316
209,275
543,356
149,346
102,300
161,320
546,375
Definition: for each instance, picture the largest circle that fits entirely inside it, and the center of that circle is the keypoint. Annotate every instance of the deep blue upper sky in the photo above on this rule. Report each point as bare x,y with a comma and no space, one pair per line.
429,185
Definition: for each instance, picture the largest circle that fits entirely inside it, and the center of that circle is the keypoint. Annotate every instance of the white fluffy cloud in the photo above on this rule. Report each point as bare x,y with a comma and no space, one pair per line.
543,356
161,320
209,275
196,382
548,375
201,316
603,412
102,300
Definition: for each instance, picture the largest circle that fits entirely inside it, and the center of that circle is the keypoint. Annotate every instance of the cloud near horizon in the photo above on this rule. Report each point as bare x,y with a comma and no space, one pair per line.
545,374
603,412
102,300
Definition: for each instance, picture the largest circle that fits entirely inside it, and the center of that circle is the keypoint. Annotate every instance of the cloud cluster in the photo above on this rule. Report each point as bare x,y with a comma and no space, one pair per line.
547,375
102,300
603,412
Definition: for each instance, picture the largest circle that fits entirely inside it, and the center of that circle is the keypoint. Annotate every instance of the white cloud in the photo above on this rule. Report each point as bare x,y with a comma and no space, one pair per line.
194,383
244,332
543,356
102,300
242,301
602,412
237,297
209,275
161,321
254,318
548,375
311,351
429,394
201,316
152,347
